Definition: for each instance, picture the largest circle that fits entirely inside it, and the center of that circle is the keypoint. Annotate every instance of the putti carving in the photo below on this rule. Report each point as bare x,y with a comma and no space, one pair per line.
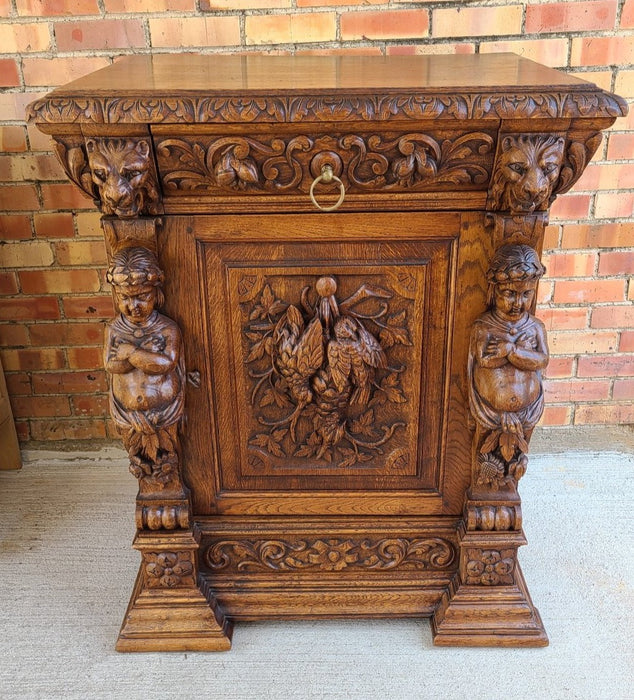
144,356
331,554
490,567
526,171
323,368
123,172
371,162
507,354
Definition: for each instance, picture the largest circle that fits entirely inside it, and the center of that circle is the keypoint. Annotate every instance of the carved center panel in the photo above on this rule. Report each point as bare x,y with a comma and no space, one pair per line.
331,363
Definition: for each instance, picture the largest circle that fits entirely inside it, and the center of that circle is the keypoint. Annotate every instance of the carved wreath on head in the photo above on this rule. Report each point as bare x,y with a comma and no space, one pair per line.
322,367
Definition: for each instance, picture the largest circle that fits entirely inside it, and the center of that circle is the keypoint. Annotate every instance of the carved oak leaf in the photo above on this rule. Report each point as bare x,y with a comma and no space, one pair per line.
389,391
396,331
349,457
271,443
268,306
364,424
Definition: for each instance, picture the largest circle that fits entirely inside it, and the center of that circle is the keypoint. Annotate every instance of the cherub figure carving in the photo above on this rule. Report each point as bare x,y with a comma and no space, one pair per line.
526,171
121,169
507,354
143,354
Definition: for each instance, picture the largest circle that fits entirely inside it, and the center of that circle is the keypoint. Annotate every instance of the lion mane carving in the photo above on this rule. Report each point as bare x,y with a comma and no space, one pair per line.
527,170
121,169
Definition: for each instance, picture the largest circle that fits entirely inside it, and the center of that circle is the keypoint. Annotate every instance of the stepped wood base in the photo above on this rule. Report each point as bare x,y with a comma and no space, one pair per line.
488,616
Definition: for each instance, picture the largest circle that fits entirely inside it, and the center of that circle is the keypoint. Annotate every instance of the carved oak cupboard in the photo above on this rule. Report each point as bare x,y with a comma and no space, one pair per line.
324,362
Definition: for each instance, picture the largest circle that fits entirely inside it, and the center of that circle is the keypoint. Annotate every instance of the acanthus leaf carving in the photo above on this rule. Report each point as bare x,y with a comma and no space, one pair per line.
577,156
324,371
330,554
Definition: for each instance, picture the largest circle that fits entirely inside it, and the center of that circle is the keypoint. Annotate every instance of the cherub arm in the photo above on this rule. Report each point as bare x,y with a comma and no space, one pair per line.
490,352
115,355
529,356
159,353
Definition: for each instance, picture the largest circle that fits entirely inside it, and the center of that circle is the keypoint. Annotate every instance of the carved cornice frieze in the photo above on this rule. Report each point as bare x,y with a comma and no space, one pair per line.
330,554
333,107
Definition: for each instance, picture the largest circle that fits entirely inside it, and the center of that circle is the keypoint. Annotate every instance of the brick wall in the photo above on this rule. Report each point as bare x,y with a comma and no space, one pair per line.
53,301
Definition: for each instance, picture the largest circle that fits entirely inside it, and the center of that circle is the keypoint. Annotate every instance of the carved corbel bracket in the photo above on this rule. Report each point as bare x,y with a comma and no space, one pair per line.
579,151
71,153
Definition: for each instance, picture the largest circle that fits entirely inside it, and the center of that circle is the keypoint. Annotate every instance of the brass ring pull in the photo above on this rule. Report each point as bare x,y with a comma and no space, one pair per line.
327,176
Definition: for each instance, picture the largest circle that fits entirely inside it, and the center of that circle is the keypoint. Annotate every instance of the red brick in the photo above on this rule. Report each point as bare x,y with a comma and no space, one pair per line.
606,366
612,235
604,414
384,24
28,360
570,16
580,291
56,8
231,4
581,343
12,139
613,316
570,390
22,428
571,206
602,51
22,308
54,225
552,234
559,367
13,335
95,307
65,196
40,406
291,28
623,390
626,344
627,15
24,38
89,225
614,205
611,176
15,227
569,264
9,75
552,52
89,405
85,358
58,281
71,429
40,166
18,383
100,34
153,5
477,21
556,415
427,49
195,31
80,253
69,382
18,197
5,8
621,146
545,292
37,140
563,319
8,283
60,334
52,72
616,263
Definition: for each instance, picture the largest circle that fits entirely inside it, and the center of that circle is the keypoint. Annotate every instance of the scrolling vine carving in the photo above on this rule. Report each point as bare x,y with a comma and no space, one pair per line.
331,554
322,366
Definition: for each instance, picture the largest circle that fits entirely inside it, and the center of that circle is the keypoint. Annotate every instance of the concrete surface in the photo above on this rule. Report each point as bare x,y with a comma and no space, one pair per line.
62,597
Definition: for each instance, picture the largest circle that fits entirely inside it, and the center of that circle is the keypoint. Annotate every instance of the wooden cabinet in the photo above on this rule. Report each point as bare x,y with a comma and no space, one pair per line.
325,365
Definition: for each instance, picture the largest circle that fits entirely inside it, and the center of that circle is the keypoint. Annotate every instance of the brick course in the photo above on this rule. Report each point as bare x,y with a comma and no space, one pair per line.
53,301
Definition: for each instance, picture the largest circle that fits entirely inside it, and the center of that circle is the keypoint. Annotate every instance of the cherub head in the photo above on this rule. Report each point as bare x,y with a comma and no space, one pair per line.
513,276
137,278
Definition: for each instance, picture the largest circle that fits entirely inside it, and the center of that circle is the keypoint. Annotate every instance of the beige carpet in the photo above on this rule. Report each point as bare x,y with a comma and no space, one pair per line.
62,597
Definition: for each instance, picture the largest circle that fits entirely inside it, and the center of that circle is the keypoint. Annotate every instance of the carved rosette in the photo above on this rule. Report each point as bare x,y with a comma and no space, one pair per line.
526,170
330,554
169,569
124,174
364,162
322,385
490,567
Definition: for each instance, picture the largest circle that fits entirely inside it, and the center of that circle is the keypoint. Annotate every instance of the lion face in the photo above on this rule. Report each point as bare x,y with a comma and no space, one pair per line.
527,169
121,170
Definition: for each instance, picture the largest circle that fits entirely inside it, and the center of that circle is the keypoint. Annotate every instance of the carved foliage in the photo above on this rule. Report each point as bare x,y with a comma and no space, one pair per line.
370,162
124,174
320,377
577,156
489,567
330,554
526,171
169,569
72,155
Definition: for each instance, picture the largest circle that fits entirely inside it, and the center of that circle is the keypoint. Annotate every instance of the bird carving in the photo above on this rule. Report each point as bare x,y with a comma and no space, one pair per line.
353,355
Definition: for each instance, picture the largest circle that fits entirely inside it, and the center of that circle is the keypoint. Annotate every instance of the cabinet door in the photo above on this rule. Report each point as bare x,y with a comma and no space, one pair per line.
327,354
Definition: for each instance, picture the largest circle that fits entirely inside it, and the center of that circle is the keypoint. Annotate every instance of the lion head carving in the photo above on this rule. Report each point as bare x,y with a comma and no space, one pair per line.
527,169
121,169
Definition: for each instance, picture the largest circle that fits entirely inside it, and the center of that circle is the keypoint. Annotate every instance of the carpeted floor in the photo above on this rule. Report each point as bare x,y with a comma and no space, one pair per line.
63,595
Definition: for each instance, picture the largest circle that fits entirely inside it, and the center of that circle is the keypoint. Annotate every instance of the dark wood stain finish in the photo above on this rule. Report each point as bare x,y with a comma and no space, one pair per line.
359,386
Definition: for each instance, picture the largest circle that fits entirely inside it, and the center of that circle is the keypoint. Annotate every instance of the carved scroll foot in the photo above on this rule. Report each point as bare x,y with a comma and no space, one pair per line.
168,611
487,603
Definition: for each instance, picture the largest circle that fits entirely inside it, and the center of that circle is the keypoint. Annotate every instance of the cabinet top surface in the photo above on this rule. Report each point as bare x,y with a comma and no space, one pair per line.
186,79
